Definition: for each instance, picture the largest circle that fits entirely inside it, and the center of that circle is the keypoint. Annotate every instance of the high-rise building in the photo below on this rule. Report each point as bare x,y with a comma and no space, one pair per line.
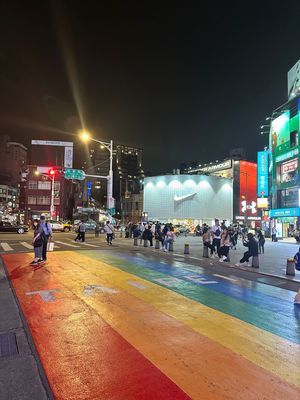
13,156
128,178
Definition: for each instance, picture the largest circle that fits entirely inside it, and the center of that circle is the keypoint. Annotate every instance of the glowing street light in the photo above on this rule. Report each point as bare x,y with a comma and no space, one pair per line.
84,136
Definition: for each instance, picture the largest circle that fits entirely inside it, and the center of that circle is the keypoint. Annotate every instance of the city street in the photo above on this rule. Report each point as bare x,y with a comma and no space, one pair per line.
127,322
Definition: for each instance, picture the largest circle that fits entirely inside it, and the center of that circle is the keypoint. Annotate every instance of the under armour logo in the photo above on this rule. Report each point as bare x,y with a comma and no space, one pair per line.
246,206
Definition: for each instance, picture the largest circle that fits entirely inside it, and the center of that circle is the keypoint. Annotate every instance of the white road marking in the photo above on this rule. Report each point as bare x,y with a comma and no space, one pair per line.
68,244
225,277
136,284
89,244
27,245
89,290
46,295
6,247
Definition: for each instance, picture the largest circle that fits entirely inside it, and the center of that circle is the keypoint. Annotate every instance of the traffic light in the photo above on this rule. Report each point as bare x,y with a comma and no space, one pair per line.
52,172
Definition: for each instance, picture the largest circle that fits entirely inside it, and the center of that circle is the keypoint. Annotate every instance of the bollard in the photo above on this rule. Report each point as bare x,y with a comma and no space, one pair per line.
121,233
290,267
255,262
186,249
145,243
171,246
135,241
157,244
205,251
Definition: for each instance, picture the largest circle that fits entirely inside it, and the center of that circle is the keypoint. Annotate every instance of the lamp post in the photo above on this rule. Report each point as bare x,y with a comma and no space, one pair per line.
85,137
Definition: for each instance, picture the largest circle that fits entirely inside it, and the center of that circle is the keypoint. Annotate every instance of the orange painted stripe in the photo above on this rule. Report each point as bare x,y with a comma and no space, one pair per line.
84,358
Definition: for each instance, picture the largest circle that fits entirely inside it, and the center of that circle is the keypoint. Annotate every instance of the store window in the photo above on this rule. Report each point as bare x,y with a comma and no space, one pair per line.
32,185
43,200
287,198
287,172
31,200
56,201
44,185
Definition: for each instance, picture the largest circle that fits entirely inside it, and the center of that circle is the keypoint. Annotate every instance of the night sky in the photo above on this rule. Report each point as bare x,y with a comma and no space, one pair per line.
183,81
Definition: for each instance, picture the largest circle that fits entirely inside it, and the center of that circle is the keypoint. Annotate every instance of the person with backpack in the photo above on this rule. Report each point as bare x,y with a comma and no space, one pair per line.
297,260
46,235
80,232
109,229
37,242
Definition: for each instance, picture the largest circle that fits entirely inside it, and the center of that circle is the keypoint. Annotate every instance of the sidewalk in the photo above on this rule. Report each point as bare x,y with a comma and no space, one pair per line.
21,374
272,263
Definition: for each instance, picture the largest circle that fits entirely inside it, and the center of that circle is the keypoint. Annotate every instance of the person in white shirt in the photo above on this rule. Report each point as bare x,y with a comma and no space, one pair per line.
109,229
216,233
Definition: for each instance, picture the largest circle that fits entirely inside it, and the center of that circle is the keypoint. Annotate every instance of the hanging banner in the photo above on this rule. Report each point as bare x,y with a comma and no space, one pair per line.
262,174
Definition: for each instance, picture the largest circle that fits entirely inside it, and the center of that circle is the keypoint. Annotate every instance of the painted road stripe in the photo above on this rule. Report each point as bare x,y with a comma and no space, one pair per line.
225,277
187,365
89,244
68,244
27,245
246,304
261,347
85,358
6,247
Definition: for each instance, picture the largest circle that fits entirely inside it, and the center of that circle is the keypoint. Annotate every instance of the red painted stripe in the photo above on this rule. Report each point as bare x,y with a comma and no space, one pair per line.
84,358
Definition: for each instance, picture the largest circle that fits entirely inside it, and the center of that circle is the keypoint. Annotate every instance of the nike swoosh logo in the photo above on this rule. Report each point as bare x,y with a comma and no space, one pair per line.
186,196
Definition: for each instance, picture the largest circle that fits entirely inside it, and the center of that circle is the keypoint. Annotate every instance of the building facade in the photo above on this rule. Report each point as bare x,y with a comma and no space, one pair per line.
188,199
243,175
284,197
13,156
36,192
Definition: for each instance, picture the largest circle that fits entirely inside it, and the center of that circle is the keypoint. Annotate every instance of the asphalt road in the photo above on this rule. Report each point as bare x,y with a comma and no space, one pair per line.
127,322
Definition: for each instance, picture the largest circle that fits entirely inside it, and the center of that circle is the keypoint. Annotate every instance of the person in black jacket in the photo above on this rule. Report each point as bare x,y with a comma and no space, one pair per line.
147,235
252,245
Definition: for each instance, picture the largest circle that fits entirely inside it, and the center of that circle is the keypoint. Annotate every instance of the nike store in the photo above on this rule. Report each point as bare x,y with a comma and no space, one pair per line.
188,199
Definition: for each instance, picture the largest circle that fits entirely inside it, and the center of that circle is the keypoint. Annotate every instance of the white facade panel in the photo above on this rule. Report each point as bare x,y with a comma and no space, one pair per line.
188,197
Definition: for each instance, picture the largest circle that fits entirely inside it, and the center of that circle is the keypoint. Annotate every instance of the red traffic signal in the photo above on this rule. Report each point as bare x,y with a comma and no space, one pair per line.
52,172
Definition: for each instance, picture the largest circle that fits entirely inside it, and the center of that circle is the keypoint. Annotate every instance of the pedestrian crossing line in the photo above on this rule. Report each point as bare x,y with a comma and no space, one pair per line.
68,244
89,244
27,245
6,247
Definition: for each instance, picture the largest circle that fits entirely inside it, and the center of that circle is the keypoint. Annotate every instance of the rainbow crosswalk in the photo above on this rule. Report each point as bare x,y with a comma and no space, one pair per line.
126,326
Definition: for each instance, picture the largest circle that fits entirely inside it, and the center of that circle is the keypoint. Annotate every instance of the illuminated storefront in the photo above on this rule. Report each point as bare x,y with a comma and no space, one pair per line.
284,169
244,180
188,199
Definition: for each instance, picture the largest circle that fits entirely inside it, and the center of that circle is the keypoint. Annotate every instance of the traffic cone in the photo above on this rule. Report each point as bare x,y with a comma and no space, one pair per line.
297,298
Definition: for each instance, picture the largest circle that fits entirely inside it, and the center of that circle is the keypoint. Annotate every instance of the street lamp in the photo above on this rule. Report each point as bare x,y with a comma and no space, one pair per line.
86,137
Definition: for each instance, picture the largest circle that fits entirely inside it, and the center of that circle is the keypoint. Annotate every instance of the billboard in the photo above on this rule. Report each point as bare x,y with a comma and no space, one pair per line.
288,172
280,133
248,188
262,173
293,80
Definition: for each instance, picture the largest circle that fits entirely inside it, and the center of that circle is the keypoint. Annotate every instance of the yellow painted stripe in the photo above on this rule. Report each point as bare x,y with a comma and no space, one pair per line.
263,348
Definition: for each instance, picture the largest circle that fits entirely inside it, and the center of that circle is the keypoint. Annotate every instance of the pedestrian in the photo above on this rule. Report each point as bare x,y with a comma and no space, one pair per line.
233,238
170,238
297,260
206,237
47,234
225,245
81,232
97,230
216,232
252,251
274,234
109,229
37,242
147,235
141,228
261,242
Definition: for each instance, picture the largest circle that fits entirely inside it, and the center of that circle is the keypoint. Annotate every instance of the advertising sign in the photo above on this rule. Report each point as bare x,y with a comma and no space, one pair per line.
262,202
285,212
289,172
68,160
262,173
248,188
280,133
287,155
